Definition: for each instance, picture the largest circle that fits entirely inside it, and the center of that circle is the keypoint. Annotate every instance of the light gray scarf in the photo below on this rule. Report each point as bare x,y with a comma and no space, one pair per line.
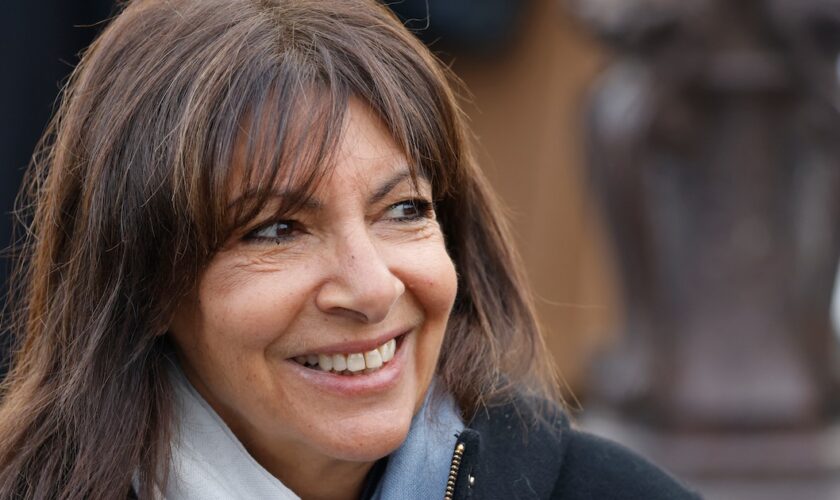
210,463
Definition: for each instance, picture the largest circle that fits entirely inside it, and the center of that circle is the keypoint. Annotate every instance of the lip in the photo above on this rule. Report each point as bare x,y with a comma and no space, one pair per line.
356,385
354,346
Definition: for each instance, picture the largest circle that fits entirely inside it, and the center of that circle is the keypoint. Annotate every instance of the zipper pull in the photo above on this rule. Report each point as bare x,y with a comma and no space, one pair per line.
454,467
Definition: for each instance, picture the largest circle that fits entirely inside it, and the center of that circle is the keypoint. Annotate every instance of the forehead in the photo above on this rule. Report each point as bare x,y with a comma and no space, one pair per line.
359,152
366,150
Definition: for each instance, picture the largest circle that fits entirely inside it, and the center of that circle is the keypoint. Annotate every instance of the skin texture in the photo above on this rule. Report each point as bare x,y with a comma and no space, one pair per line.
346,268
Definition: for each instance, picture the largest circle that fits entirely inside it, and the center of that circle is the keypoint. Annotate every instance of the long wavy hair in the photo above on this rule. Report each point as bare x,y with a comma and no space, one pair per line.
125,204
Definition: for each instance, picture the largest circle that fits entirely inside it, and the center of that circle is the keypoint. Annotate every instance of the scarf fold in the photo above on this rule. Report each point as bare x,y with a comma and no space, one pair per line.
210,463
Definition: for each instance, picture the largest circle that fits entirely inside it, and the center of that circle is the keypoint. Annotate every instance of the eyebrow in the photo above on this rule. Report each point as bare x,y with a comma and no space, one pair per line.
309,203
389,186
313,204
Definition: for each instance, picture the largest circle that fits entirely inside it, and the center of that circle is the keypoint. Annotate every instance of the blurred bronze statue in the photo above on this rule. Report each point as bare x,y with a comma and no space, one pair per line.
715,149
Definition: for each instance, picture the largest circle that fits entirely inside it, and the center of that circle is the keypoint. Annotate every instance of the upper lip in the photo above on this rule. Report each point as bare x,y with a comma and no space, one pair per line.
353,346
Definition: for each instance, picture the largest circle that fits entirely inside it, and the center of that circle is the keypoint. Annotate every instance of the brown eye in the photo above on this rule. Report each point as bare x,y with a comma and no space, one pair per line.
276,231
409,210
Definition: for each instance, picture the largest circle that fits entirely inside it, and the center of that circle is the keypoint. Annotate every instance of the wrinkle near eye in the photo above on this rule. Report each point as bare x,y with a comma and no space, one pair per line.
421,229
269,258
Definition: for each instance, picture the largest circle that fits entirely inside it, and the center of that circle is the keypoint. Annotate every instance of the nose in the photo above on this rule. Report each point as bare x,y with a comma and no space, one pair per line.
362,285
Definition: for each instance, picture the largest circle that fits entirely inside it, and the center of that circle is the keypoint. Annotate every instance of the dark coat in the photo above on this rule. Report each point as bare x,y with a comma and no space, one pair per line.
507,455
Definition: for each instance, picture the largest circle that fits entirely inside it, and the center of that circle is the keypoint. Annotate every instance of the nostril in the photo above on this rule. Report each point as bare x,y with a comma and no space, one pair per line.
350,314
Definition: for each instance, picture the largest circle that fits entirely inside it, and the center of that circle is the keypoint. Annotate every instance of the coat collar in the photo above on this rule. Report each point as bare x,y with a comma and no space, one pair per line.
513,450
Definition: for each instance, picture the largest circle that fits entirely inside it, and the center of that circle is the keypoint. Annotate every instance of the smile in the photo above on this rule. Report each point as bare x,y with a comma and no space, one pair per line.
356,363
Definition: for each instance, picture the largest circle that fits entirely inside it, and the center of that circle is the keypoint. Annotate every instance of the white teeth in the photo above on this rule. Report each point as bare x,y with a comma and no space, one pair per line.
339,362
355,362
373,359
387,350
325,362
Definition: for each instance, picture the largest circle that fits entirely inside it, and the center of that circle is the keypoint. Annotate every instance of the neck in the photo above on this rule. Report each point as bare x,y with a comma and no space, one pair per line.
314,477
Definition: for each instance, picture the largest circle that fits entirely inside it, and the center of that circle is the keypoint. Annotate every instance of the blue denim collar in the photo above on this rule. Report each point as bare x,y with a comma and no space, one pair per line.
418,470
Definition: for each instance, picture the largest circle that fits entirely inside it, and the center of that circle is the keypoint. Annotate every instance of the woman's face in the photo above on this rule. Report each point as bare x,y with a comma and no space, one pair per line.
357,283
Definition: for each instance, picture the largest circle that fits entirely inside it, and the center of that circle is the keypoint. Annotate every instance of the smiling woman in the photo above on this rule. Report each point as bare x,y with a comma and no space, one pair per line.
262,263
332,316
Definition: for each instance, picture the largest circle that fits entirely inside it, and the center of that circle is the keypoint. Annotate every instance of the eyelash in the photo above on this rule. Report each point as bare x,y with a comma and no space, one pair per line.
423,209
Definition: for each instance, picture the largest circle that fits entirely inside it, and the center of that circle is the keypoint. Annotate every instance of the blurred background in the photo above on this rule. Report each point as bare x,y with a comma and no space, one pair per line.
672,172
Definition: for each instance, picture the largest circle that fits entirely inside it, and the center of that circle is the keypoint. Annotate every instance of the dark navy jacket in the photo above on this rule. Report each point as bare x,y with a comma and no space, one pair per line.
508,455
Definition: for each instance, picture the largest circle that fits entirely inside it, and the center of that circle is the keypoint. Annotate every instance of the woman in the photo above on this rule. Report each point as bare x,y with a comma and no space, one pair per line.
262,263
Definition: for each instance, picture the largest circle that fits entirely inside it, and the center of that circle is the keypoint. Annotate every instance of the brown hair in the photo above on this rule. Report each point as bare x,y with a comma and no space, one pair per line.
127,205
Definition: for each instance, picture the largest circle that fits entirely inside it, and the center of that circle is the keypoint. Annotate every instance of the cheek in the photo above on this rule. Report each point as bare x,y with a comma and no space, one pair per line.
433,287
251,312
434,284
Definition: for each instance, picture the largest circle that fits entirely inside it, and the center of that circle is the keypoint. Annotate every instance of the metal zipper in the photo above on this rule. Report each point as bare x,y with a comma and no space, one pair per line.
453,471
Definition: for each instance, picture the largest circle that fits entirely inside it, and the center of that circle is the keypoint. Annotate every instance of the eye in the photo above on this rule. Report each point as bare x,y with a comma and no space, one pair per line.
276,231
410,210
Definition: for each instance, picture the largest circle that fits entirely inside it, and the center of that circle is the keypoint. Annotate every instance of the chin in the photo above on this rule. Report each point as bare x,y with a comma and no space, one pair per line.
365,441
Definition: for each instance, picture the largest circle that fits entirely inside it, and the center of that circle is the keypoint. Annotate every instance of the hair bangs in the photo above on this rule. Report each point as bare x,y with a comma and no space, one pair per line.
406,95
287,133
276,144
